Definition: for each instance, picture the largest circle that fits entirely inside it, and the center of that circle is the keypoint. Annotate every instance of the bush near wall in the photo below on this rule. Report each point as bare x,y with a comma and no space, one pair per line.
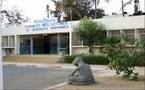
140,62
140,59
90,59
98,59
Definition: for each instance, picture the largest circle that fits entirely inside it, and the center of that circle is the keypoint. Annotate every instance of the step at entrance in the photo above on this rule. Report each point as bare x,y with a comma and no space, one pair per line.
49,59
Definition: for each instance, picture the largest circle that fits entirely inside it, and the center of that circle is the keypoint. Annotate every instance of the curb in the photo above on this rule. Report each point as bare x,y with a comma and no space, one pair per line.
42,65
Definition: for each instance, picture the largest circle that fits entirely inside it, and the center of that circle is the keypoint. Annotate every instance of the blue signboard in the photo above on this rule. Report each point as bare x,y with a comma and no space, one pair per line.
46,24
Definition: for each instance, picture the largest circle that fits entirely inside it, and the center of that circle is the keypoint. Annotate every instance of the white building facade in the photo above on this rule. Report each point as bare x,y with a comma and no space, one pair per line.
47,36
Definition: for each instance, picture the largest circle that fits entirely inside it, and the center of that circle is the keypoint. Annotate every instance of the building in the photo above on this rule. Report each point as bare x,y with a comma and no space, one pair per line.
47,36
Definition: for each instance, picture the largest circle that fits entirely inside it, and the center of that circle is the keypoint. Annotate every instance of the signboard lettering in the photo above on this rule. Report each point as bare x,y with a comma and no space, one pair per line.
46,24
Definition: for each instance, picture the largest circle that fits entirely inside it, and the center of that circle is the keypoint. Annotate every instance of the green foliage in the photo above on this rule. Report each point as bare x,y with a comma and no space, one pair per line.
122,60
99,13
75,9
90,32
141,54
90,59
13,17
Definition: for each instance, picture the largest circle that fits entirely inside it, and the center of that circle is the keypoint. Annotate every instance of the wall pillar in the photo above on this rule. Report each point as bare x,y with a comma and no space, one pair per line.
15,41
8,41
58,43
31,45
1,68
107,33
17,44
70,43
121,31
136,34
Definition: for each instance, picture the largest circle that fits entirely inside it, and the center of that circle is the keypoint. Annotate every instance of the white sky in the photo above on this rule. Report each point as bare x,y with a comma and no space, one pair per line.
37,8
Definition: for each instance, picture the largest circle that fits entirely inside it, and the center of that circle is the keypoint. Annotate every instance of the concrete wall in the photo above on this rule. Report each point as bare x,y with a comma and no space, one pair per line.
117,23
131,22
85,50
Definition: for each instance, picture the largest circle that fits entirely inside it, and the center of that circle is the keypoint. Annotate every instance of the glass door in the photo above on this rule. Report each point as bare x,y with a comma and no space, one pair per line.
53,44
24,45
64,43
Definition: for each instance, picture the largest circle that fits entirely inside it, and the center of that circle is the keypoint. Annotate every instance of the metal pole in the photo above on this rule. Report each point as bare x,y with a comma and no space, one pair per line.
1,71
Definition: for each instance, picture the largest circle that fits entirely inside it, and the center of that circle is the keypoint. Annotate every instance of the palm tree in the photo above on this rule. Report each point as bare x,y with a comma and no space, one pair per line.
75,8
71,6
59,6
67,5
96,2
123,5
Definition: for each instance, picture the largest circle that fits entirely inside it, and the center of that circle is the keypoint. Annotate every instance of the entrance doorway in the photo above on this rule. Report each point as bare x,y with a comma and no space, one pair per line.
46,44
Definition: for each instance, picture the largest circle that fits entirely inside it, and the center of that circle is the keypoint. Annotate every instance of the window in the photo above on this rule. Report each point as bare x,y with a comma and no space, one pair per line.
76,40
5,41
114,33
142,35
130,35
8,41
11,41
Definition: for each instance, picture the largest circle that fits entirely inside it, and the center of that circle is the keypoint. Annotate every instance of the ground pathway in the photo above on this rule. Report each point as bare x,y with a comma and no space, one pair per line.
53,76
32,78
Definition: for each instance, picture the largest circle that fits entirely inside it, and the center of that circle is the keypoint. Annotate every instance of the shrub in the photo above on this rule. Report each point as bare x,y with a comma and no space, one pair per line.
121,60
69,59
90,59
141,54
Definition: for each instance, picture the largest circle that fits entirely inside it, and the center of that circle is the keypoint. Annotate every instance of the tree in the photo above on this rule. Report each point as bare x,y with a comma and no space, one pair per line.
84,7
99,14
75,9
67,5
71,7
90,32
96,2
123,5
58,6
13,17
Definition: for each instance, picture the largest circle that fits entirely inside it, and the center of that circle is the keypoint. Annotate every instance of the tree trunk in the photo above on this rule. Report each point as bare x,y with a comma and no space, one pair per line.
70,14
122,8
91,49
95,9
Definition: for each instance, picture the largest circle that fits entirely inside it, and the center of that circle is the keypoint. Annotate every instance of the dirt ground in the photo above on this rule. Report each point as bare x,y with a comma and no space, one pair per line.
108,83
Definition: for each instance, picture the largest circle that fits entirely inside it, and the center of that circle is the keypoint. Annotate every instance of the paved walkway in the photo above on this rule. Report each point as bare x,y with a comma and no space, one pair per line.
32,78
101,70
98,70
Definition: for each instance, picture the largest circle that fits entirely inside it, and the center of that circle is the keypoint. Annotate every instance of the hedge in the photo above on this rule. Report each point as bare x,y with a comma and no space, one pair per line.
90,59
97,59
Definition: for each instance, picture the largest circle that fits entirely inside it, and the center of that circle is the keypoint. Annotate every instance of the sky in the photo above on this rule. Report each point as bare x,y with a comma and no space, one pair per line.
35,9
